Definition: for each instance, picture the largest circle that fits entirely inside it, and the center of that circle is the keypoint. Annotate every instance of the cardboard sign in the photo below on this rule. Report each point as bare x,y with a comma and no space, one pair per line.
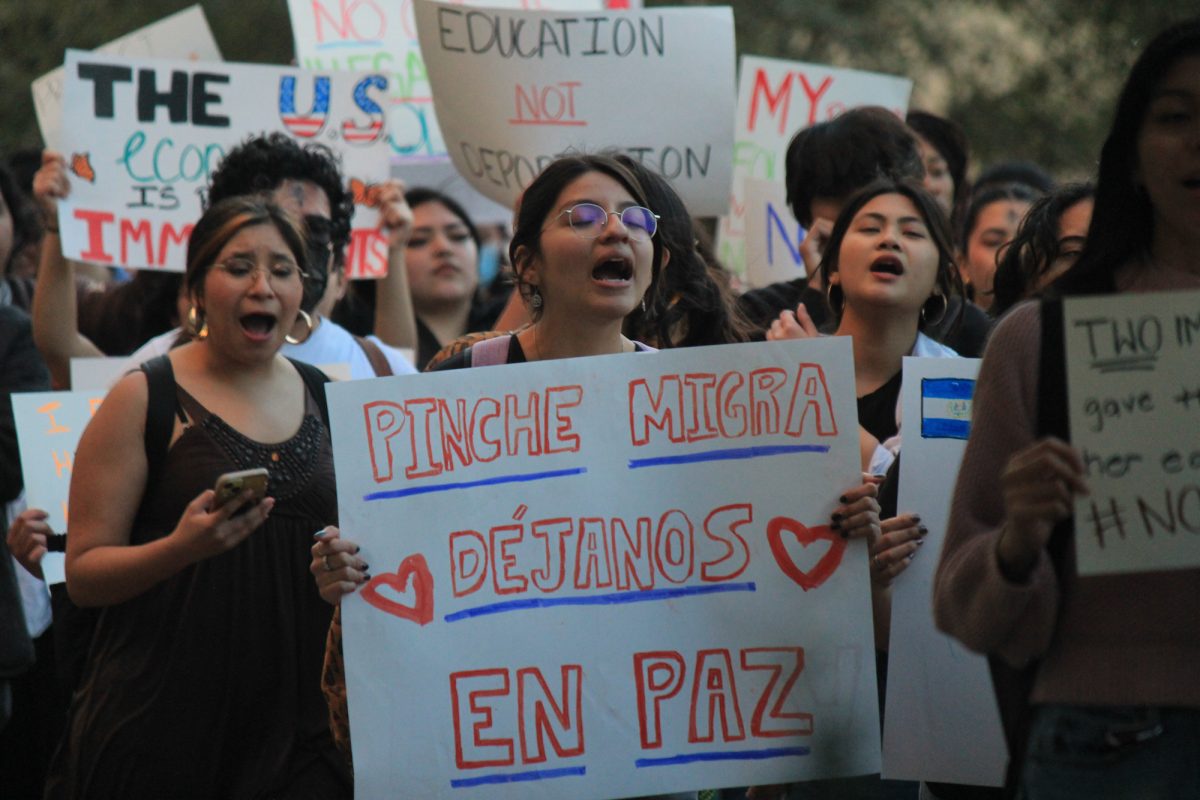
775,100
1133,381
543,84
49,425
378,36
606,577
143,136
184,35
773,235
941,722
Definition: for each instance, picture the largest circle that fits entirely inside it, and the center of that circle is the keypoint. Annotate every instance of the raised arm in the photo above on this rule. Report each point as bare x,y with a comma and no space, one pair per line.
395,320
55,314
107,482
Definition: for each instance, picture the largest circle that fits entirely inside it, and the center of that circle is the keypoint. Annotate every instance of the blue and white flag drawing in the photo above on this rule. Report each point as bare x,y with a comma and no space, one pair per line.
946,408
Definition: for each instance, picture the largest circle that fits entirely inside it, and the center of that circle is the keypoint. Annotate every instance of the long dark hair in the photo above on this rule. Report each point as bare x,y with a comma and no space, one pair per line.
1122,225
948,281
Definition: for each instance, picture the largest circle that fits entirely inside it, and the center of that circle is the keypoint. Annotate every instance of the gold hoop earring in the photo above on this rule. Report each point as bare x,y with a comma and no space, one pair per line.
308,320
942,315
196,323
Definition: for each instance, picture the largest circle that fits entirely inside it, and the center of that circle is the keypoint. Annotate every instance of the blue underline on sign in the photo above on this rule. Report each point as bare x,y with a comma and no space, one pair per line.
616,598
448,487
729,454
517,777
730,755
346,44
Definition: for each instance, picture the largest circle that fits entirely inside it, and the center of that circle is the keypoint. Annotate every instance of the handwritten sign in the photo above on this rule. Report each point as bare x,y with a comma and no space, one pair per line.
1133,379
773,235
143,137
184,35
776,99
547,83
616,579
49,425
941,723
378,36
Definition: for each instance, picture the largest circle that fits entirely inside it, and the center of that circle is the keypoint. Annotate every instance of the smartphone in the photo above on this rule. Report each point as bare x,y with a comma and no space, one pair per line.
232,484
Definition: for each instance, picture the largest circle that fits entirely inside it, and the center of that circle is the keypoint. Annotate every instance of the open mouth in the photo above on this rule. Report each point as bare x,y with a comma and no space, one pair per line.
613,270
887,265
258,326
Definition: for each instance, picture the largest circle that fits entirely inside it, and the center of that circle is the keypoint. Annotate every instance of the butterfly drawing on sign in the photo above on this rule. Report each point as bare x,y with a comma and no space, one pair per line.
365,194
81,165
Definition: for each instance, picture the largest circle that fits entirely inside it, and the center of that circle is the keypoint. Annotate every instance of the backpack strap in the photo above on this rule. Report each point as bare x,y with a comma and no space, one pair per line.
314,381
490,352
162,407
375,357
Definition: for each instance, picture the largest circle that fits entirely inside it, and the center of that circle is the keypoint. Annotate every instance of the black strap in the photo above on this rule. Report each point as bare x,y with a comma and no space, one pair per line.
162,406
315,380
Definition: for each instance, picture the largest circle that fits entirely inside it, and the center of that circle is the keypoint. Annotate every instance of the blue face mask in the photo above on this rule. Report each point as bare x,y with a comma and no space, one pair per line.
489,264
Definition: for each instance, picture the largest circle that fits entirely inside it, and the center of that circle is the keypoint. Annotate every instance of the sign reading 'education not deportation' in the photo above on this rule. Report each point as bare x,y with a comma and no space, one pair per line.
515,89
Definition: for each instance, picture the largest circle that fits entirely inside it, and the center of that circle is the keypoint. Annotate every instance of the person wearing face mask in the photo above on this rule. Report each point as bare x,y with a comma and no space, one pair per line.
202,676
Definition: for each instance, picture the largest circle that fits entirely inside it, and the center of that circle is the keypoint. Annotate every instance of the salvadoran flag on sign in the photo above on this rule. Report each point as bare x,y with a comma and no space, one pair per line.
946,408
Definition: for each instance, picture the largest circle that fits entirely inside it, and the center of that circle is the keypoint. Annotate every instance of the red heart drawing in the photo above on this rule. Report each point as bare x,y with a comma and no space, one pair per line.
421,612
806,536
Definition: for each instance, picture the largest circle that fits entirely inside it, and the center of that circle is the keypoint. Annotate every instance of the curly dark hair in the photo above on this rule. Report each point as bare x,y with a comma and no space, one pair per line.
27,225
262,163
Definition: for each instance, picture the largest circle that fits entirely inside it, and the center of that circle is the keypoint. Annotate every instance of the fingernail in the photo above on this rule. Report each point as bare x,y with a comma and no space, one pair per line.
836,516
843,534
923,529
365,567
916,517
319,534
356,549
837,526
920,542
366,577
843,499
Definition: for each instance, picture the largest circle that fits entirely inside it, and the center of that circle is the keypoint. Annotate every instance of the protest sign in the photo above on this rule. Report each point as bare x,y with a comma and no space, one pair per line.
49,425
184,35
542,84
776,99
773,236
941,722
618,579
143,136
1133,387
378,36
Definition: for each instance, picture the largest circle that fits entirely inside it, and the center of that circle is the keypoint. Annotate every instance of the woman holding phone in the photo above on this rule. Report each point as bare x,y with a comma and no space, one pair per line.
203,673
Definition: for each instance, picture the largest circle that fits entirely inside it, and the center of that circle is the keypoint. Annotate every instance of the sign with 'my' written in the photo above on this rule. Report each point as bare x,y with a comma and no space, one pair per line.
656,84
143,136
606,577
775,100
1133,381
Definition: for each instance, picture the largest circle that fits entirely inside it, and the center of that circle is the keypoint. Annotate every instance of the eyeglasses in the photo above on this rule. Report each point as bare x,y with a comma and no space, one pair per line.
589,220
244,270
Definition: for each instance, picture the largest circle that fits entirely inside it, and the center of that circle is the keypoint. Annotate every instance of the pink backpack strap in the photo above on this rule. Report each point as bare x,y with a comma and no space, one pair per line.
490,352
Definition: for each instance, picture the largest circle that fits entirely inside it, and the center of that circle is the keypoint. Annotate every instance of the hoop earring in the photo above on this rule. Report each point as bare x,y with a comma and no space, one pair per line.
535,298
836,306
941,316
196,323
308,320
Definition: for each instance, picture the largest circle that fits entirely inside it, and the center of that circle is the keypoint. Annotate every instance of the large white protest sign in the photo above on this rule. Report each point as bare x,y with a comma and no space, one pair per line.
515,89
772,234
49,425
184,35
606,577
1133,380
378,36
143,137
941,722
776,99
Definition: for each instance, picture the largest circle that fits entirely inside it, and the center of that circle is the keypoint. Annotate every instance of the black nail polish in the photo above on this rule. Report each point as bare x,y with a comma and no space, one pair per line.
916,517
843,499
837,526
836,517
923,529
843,534
365,567
356,549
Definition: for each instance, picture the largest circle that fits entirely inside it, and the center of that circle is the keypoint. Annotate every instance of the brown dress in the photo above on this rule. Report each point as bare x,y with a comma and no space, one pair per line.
208,684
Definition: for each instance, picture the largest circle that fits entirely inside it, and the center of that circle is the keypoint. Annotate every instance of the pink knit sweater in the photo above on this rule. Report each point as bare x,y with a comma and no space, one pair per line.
1112,640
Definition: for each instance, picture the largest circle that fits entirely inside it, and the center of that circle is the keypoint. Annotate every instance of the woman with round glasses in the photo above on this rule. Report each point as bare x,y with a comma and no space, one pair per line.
203,673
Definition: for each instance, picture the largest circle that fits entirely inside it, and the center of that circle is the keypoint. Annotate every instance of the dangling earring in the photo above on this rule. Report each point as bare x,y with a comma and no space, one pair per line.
535,298
925,309
838,305
196,323
308,320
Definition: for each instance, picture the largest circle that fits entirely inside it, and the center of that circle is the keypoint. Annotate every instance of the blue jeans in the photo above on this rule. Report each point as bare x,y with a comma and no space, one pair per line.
1117,752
